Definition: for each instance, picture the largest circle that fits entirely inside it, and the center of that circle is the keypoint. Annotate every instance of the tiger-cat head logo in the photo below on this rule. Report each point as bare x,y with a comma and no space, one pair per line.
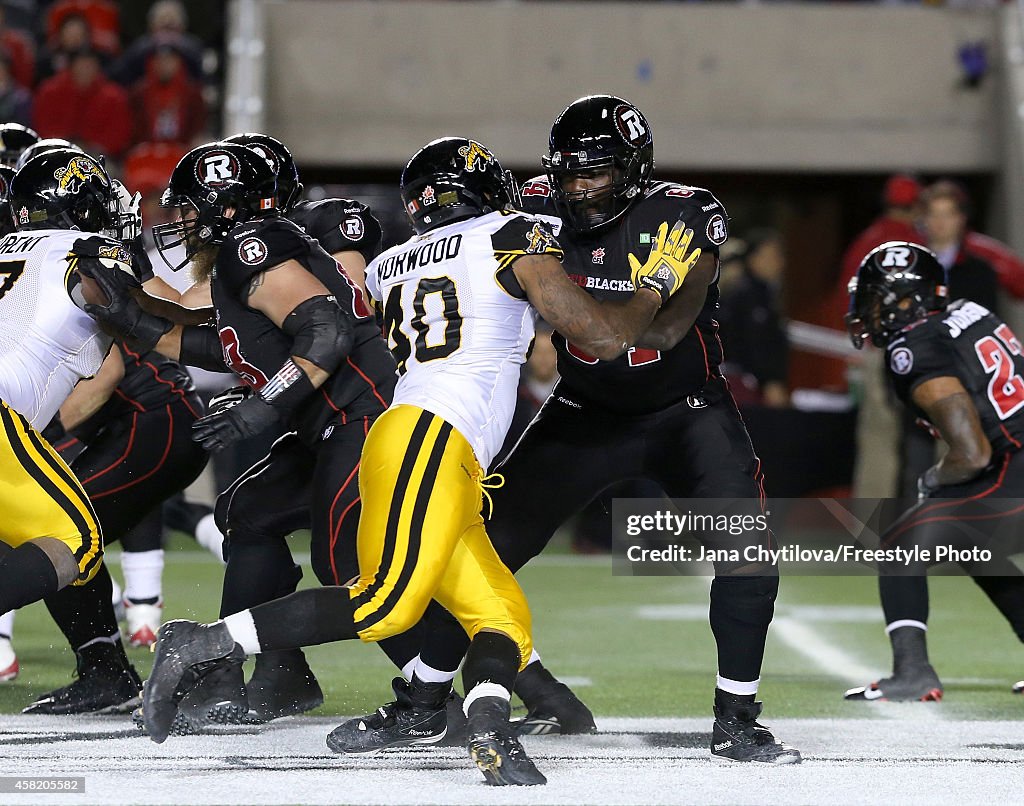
477,157
76,173
540,240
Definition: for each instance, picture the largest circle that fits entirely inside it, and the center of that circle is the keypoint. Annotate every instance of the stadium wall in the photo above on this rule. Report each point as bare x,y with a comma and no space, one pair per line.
780,87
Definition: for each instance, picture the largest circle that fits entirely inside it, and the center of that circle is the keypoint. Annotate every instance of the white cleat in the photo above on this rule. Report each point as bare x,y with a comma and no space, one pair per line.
8,661
142,621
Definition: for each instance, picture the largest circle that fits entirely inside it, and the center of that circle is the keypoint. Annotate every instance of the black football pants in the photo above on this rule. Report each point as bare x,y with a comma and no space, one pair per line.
985,513
573,451
293,487
129,467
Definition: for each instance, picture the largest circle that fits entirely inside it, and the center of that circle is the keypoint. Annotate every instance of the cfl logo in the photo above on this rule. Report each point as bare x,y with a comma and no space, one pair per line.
897,257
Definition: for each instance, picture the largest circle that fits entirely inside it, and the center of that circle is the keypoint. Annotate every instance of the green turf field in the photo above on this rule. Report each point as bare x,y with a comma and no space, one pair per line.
636,646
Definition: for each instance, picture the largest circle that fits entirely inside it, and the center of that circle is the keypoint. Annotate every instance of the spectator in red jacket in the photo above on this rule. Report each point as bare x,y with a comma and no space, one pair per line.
82,105
168,104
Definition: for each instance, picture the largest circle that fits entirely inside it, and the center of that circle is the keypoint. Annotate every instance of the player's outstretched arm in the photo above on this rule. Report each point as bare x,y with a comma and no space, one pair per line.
950,409
604,329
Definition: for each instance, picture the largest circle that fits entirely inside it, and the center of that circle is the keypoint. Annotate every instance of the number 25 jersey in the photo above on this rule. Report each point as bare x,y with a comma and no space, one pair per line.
457,321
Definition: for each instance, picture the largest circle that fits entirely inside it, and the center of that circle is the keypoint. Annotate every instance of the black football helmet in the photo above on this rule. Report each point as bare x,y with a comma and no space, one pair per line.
897,284
454,178
6,222
593,133
14,138
41,147
63,189
207,182
289,188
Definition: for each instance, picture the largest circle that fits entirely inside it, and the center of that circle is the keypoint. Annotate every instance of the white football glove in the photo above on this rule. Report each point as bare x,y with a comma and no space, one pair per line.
127,213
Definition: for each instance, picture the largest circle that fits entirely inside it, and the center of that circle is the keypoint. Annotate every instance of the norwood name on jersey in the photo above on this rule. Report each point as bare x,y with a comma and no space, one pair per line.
417,257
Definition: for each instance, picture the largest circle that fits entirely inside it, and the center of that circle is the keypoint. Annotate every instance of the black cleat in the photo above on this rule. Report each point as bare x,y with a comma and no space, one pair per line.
551,706
218,699
494,747
415,717
99,689
737,736
919,683
185,652
282,684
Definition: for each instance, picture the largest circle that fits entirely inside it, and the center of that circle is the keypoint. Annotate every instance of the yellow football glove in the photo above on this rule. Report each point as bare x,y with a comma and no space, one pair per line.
668,264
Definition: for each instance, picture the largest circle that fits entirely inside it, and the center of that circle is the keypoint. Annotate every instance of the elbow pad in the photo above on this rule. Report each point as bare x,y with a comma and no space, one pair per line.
321,331
200,347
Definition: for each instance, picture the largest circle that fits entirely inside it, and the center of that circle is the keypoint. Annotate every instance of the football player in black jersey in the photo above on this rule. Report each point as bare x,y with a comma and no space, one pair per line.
662,411
960,369
421,534
319,368
351,234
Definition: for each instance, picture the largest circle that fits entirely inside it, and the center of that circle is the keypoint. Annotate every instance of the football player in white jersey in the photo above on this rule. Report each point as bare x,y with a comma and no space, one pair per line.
459,302
60,201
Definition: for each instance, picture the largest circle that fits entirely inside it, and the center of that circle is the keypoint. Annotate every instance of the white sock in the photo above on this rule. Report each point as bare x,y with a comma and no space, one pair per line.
410,668
428,674
737,686
243,630
7,624
903,622
209,536
116,593
142,574
485,690
534,657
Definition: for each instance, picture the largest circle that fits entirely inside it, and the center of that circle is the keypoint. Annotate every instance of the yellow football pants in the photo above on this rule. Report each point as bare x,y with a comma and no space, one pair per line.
422,537
40,496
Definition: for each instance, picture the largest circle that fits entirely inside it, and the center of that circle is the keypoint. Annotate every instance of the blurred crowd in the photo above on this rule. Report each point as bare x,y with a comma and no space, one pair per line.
68,70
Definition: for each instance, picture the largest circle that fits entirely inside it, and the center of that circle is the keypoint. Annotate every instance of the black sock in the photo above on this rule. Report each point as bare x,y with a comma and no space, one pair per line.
445,643
904,597
909,648
85,612
305,618
26,575
492,658
257,573
741,612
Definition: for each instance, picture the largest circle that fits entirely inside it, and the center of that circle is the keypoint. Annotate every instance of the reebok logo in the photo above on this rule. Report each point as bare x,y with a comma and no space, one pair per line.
414,732
722,746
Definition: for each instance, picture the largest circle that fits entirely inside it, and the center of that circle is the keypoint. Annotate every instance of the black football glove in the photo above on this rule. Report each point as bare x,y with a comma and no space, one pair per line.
239,421
228,399
122,314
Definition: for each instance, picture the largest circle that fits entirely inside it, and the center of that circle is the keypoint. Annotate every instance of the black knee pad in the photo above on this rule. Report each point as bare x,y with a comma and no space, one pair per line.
746,599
